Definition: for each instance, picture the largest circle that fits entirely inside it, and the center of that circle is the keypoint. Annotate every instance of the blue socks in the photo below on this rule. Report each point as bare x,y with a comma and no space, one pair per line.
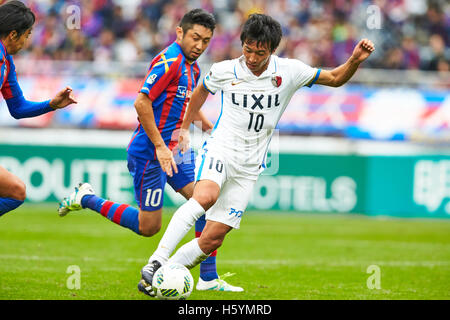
7,205
208,268
121,214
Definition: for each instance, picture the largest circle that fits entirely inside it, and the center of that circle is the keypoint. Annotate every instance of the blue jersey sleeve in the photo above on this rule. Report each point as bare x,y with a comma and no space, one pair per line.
11,87
2,71
18,106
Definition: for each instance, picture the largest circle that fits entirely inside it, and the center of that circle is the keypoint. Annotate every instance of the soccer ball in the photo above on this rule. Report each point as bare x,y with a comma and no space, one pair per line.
173,281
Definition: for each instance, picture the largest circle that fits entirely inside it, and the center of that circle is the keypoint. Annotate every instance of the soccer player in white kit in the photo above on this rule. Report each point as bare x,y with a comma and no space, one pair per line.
255,90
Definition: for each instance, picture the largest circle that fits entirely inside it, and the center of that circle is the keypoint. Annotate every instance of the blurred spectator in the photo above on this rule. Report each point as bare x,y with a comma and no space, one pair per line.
104,48
413,34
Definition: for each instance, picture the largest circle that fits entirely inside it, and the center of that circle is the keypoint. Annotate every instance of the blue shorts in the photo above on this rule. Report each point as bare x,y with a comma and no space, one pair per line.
149,179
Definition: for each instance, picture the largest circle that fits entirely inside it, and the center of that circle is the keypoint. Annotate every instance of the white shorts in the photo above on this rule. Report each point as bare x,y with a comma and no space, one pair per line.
235,189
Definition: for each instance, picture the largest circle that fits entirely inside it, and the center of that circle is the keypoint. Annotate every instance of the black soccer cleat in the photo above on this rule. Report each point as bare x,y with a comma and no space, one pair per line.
147,272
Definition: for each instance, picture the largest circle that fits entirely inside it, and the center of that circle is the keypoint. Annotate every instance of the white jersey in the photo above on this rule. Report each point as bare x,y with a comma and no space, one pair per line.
252,107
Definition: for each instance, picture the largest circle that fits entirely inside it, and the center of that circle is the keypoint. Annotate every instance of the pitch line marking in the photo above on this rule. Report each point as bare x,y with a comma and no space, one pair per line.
261,262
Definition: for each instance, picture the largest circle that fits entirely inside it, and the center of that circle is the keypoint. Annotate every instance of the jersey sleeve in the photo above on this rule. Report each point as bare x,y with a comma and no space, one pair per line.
18,106
304,75
159,76
214,80
2,71
11,88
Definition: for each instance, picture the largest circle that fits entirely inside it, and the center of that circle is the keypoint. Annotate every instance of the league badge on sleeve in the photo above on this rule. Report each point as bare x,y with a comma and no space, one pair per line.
152,78
276,80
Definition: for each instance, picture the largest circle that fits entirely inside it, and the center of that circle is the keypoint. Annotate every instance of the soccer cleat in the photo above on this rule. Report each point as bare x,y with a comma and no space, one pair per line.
147,272
73,202
218,284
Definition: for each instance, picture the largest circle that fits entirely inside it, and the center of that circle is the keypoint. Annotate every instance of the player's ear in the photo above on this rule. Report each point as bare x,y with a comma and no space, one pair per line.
180,33
13,35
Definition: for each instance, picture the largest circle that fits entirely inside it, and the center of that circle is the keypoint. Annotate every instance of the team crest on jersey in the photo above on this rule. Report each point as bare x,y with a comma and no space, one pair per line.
152,78
276,80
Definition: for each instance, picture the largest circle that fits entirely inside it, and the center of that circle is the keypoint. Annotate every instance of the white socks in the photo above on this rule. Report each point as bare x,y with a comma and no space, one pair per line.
189,255
182,221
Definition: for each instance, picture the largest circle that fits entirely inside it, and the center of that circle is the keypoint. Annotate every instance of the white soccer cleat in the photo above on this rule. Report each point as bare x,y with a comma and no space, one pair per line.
73,202
218,284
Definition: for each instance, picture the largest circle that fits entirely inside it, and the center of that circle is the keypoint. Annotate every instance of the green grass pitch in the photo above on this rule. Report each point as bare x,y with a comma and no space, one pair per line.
274,255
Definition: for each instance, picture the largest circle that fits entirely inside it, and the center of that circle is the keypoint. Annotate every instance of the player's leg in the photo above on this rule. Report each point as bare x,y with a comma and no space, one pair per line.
195,251
206,192
208,267
183,182
225,215
84,197
199,250
148,181
184,219
12,191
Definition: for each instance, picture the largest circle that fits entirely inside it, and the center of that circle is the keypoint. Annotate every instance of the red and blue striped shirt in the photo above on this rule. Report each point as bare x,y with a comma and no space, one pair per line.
10,89
169,84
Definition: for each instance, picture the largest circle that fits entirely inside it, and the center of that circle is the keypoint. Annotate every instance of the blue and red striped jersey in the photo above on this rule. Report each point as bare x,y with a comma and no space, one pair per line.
169,84
8,79
18,106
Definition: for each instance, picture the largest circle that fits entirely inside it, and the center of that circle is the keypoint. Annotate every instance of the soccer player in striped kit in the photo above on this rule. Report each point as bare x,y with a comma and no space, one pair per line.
16,23
161,105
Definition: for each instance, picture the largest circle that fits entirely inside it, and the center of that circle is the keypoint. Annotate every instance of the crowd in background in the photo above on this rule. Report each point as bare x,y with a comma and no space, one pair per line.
408,34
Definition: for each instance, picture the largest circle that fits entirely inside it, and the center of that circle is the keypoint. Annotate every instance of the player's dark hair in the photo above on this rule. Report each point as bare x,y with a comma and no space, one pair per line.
263,29
15,16
198,16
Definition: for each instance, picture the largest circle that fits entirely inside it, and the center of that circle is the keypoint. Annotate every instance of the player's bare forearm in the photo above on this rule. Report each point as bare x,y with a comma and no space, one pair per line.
197,100
202,122
144,109
342,74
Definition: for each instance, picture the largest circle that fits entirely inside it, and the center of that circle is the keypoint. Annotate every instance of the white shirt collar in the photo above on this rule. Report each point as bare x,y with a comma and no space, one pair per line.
242,72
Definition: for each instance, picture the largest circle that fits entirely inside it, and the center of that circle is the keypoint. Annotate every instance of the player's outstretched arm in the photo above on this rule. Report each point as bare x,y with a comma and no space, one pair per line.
197,100
340,75
144,109
21,108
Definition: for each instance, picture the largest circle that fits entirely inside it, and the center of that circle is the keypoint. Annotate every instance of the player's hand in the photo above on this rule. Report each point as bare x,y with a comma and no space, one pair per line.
63,99
184,140
363,50
166,160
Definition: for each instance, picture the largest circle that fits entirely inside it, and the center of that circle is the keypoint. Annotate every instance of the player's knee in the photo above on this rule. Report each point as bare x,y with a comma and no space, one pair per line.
206,199
18,190
210,244
149,222
149,231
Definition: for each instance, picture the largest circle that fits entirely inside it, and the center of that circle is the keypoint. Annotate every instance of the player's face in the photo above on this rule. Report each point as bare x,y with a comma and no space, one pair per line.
194,42
257,57
16,43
